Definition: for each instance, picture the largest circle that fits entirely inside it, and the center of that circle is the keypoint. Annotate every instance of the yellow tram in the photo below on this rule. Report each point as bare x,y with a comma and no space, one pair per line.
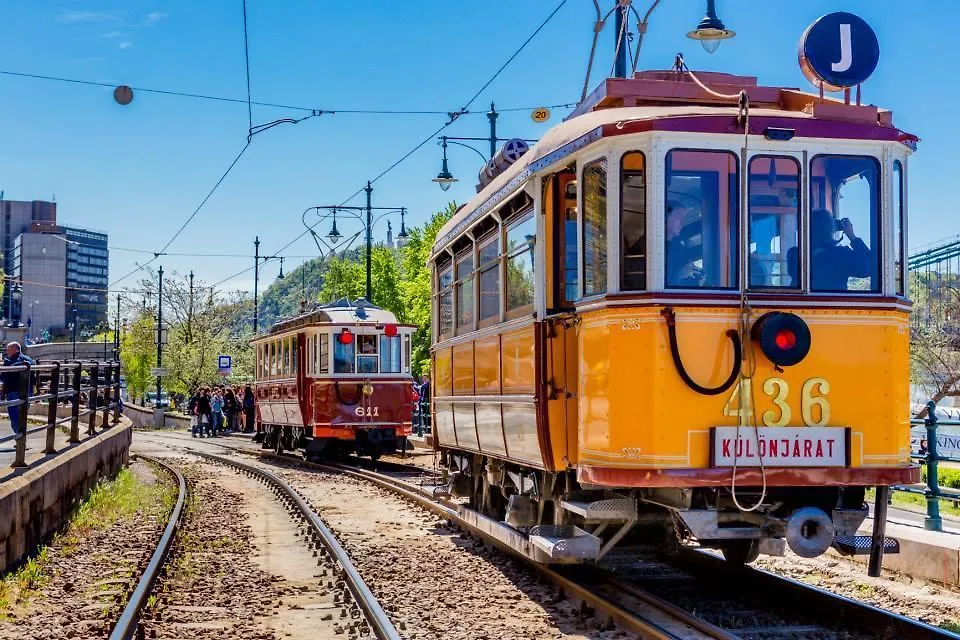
681,315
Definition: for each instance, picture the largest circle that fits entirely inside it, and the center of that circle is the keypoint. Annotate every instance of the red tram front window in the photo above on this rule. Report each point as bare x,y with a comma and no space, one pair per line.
389,354
344,357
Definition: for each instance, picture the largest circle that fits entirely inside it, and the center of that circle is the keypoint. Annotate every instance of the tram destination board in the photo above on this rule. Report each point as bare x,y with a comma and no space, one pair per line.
780,447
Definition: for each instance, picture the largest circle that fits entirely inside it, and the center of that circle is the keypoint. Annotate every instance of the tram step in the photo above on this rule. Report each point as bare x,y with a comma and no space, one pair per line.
613,510
565,542
860,545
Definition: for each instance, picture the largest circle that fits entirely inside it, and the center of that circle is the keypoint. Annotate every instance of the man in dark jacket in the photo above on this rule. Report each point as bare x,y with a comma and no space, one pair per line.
13,356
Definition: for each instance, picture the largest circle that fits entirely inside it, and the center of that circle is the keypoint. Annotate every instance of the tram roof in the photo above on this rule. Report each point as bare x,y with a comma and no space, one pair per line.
341,312
776,107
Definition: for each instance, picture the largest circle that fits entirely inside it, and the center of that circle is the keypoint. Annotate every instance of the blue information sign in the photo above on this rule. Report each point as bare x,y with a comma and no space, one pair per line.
224,362
839,50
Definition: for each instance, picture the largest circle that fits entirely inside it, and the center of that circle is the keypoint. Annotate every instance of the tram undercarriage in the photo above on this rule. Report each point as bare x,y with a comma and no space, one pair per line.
367,442
574,523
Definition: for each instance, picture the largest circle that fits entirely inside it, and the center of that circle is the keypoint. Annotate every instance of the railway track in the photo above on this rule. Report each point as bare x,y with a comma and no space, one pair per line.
375,620
694,595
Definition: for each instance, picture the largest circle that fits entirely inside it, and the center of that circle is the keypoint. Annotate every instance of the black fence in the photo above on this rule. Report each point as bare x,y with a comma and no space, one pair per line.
91,390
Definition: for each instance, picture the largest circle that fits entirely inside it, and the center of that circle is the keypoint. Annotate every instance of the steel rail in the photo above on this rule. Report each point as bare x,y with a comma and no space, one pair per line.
129,620
379,621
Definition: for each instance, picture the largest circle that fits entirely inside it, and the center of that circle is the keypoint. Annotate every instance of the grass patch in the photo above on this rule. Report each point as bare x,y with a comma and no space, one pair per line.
917,502
110,501
951,626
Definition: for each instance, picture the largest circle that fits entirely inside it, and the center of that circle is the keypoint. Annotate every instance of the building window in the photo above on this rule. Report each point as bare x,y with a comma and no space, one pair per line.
633,222
594,228
844,224
490,279
701,219
774,227
521,241
464,292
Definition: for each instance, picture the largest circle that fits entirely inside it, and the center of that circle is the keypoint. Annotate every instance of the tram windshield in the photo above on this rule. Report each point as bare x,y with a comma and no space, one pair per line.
844,224
701,219
774,209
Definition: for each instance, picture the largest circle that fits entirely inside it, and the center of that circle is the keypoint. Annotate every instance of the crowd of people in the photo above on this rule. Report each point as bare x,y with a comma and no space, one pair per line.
221,409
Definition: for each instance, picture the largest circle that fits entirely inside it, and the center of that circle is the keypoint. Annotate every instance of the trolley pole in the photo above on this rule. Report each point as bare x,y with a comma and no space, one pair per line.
620,64
159,332
369,191
256,281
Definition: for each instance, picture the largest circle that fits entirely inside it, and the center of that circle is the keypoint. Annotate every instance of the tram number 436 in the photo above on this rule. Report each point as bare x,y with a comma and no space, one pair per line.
367,412
814,406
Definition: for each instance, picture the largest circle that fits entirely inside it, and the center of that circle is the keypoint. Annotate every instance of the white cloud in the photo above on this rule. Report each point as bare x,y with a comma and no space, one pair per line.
114,34
126,44
154,17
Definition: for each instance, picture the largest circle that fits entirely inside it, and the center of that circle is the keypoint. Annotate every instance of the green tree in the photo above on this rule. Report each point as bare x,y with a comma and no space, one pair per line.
138,354
344,277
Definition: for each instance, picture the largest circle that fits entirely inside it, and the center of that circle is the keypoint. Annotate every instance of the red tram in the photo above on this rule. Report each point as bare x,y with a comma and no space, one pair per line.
335,380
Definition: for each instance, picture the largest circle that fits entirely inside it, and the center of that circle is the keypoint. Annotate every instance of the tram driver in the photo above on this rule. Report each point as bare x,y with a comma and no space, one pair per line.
832,264
682,257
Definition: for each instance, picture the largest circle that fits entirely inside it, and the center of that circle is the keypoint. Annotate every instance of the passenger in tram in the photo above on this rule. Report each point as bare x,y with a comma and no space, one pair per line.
832,264
682,270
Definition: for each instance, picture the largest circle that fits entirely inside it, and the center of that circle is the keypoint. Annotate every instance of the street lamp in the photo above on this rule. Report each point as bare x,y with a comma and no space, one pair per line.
444,178
711,30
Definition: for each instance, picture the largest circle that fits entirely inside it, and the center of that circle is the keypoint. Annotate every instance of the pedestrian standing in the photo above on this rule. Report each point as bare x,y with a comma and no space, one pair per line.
216,408
204,411
194,415
248,409
13,356
230,408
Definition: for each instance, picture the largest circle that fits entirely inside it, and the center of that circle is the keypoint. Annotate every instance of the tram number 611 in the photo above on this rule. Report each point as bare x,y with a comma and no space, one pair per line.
367,412
812,396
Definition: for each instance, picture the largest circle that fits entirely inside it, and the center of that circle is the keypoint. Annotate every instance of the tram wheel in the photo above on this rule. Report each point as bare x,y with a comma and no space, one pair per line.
740,552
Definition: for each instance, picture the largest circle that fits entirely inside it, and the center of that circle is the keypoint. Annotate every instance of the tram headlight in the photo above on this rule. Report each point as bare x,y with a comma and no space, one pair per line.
783,337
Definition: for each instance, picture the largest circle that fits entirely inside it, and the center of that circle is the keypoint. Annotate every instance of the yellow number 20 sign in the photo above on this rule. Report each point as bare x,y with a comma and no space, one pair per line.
540,114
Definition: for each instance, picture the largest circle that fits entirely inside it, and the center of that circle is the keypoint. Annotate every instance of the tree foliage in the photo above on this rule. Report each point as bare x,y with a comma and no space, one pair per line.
138,353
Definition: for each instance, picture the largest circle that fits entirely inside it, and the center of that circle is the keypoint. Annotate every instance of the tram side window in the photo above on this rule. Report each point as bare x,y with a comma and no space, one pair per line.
406,352
595,228
571,246
521,241
274,360
464,292
633,222
366,353
445,301
324,339
898,220
774,228
344,359
701,219
844,224
489,280
294,355
389,354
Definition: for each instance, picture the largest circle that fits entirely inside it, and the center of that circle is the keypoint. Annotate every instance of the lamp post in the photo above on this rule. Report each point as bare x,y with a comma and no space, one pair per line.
116,333
364,215
74,324
159,332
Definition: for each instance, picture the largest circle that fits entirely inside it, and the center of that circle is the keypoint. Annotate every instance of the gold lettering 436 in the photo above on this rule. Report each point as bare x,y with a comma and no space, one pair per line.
812,396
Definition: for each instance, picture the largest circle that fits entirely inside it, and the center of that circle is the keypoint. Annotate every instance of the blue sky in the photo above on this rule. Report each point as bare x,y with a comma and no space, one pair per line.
137,172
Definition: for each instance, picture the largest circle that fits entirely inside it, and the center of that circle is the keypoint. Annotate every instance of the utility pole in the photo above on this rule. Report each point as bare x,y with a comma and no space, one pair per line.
159,331
74,298
256,282
620,63
492,117
369,191
190,312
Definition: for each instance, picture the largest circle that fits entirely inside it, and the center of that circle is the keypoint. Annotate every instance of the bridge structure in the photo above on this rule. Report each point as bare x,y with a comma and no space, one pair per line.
934,279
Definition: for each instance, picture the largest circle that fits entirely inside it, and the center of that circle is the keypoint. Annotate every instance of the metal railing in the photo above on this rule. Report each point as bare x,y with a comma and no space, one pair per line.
90,388
930,458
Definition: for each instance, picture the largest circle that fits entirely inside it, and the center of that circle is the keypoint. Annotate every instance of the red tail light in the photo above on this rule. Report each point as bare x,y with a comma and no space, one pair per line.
783,337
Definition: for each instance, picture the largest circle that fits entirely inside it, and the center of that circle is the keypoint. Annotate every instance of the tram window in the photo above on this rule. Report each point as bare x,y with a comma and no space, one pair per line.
633,222
844,224
324,352
366,353
389,354
445,302
285,361
521,241
774,211
344,359
489,279
464,292
898,211
294,355
406,352
595,228
273,359
571,246
701,219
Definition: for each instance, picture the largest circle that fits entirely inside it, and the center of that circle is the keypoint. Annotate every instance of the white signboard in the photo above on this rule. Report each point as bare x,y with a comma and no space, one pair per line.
779,447
158,373
948,440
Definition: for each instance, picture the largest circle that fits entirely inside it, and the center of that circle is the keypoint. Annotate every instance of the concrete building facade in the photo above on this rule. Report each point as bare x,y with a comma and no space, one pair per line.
87,278
39,262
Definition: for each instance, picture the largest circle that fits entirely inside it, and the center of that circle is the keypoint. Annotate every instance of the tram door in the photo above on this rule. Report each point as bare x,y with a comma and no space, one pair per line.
562,259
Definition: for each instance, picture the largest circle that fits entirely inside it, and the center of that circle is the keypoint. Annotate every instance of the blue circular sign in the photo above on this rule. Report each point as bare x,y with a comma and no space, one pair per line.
839,50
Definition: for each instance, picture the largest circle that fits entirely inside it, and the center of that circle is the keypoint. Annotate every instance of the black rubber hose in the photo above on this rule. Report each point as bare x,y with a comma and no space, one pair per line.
734,336
336,387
